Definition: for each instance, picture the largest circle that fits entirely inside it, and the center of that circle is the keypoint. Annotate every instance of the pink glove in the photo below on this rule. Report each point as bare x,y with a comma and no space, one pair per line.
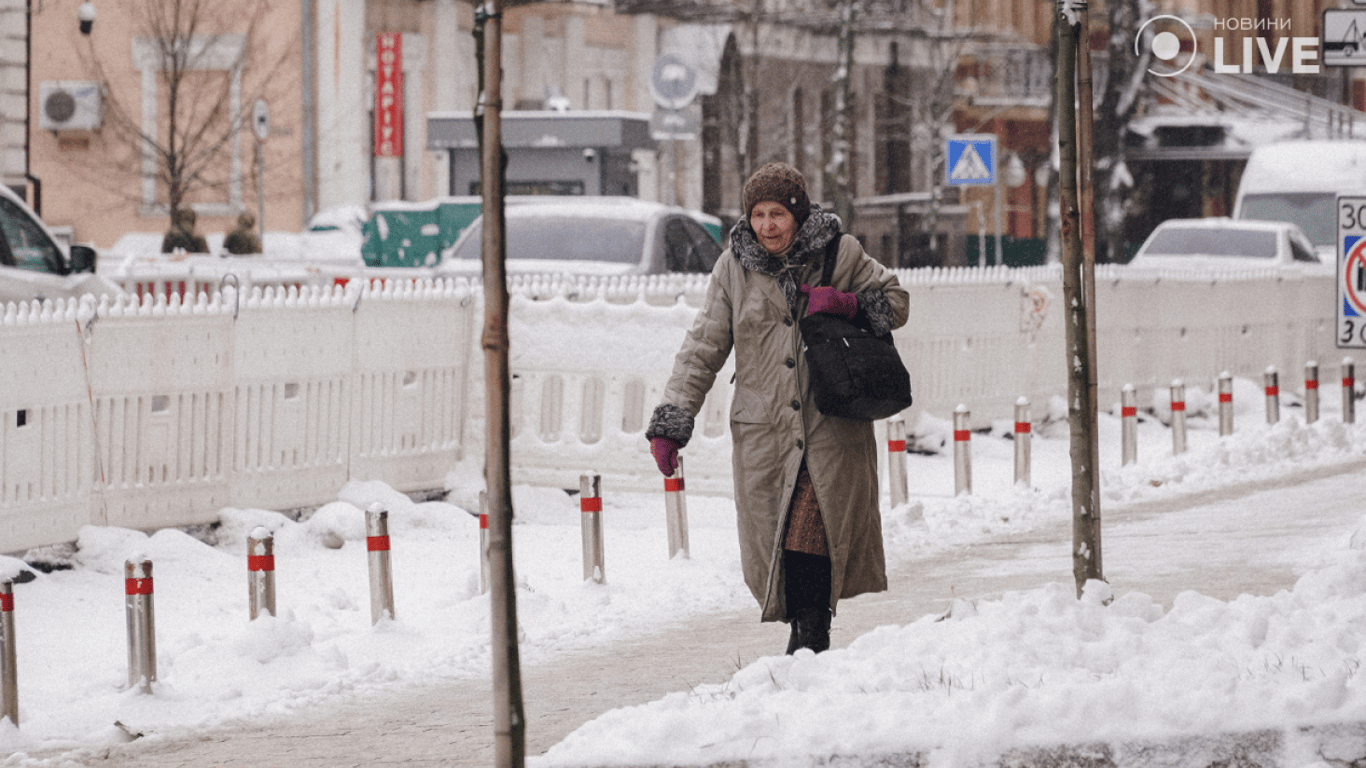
830,301
665,452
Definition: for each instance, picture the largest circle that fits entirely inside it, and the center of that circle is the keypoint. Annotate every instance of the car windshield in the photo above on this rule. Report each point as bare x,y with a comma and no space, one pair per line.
565,238
1191,241
1312,211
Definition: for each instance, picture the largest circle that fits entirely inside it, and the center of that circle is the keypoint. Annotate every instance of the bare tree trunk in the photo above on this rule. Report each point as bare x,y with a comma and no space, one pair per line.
1081,401
509,721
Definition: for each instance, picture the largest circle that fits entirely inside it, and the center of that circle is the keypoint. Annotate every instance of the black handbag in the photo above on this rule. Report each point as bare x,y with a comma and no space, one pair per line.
853,374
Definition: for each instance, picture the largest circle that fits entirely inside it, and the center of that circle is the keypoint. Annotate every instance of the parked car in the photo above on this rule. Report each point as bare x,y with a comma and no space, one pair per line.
1223,242
1298,182
592,235
34,265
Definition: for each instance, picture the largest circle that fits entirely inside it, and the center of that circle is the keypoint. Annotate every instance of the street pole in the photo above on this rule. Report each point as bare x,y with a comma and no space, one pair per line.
509,721
1078,289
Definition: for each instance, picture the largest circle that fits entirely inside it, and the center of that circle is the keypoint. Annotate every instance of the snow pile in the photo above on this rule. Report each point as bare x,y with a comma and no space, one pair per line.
1034,668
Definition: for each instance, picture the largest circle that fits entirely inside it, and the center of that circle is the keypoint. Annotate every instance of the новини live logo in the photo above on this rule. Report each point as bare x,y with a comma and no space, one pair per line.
1174,46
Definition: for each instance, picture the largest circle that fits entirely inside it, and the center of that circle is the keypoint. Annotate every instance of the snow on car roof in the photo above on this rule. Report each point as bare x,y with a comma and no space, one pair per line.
589,207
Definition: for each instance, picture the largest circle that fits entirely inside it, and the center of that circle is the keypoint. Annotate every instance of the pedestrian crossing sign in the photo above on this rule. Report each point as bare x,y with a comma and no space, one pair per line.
971,159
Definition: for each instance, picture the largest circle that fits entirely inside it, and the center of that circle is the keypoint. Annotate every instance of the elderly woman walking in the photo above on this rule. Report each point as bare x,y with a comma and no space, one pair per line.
806,489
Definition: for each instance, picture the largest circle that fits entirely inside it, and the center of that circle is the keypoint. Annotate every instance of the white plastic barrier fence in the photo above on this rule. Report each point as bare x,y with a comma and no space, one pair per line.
161,411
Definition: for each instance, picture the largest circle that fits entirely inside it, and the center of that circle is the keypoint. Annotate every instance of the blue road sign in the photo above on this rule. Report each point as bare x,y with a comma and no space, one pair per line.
971,159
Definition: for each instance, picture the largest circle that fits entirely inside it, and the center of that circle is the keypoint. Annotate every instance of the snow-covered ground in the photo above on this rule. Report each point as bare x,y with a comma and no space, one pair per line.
1032,667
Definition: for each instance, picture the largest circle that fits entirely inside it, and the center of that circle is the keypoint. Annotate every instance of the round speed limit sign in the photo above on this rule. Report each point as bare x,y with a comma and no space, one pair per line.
1351,277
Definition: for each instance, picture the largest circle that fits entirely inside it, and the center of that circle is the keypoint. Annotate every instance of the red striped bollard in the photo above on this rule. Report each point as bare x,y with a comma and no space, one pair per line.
1128,425
590,505
1311,392
896,460
1225,404
1349,395
962,451
676,512
141,616
1178,417
1024,435
381,577
261,572
483,542
9,664
1271,383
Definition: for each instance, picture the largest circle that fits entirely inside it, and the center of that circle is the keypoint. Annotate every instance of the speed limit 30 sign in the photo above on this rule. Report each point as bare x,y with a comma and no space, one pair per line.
1351,277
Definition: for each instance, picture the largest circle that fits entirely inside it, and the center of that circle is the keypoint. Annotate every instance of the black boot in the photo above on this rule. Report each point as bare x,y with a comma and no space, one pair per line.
807,590
811,629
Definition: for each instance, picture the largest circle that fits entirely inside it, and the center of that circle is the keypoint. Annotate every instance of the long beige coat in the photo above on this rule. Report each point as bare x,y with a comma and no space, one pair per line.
774,423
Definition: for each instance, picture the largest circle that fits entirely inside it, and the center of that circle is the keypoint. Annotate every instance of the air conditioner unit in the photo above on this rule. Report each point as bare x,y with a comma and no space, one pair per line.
70,105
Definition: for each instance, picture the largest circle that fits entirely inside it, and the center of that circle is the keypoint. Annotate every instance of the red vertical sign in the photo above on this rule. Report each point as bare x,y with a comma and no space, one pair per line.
389,94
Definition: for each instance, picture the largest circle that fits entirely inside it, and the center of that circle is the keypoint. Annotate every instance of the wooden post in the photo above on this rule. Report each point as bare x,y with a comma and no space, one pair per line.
1078,276
509,720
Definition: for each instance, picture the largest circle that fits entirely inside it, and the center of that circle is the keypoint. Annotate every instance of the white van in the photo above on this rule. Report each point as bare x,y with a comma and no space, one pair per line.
1297,181
33,265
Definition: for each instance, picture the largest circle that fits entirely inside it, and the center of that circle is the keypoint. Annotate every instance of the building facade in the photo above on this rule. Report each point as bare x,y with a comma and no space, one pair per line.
87,129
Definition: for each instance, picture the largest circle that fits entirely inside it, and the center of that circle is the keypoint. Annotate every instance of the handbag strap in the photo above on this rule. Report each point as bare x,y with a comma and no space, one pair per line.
832,252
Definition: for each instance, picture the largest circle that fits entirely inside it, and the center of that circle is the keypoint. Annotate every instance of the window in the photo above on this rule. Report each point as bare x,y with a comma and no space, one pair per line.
688,247
24,244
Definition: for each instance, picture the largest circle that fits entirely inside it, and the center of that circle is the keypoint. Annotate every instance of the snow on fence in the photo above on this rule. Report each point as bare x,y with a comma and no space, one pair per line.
158,411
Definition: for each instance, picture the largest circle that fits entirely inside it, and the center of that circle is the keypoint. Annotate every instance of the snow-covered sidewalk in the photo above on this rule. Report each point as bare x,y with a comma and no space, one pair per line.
1032,666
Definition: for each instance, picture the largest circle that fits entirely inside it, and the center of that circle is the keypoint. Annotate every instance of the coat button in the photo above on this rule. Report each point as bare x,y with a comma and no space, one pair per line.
796,406
791,363
787,321
800,445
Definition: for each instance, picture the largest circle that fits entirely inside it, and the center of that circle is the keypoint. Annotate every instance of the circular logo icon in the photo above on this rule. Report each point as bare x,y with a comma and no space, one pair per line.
1165,41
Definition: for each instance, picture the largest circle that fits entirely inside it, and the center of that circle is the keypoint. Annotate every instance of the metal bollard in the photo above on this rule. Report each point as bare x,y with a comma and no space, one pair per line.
381,576
261,572
1024,434
590,504
1271,381
1311,392
1178,417
962,450
1225,404
1349,395
142,640
9,666
483,542
1128,425
896,461
676,512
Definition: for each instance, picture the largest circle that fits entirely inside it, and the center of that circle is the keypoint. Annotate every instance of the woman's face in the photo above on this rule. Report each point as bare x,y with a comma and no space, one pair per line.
773,224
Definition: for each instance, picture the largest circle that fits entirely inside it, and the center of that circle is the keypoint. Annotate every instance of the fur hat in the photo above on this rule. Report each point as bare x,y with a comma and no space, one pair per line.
779,183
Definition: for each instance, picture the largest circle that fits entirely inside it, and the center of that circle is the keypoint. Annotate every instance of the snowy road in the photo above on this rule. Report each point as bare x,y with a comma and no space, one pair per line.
1256,538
